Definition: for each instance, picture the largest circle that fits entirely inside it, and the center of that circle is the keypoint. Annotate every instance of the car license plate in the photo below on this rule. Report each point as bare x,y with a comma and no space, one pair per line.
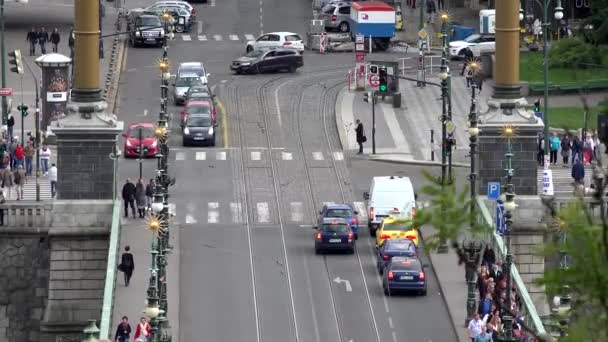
335,240
199,138
150,39
406,278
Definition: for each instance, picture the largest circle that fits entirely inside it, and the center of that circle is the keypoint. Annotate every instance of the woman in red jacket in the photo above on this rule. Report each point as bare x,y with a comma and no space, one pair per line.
142,332
19,155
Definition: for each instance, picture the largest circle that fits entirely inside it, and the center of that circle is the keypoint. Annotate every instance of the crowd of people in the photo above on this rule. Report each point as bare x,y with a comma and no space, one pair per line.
40,37
492,288
572,148
138,195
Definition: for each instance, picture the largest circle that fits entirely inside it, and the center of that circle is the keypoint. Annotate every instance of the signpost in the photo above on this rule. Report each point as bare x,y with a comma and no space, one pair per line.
360,61
547,181
6,91
322,43
374,80
493,190
359,57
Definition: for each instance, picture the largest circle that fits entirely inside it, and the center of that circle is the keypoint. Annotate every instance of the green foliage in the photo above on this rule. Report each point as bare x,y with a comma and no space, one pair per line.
586,277
574,53
599,34
449,213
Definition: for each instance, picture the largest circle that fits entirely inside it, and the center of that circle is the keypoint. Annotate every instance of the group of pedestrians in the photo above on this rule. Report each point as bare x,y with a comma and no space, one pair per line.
123,331
138,195
40,37
486,325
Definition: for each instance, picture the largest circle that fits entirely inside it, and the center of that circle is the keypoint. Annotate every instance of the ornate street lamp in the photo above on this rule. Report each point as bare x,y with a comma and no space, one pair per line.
473,135
471,251
91,332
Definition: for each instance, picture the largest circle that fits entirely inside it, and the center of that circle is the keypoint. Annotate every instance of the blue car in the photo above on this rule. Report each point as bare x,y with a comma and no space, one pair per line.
404,274
334,234
394,248
344,211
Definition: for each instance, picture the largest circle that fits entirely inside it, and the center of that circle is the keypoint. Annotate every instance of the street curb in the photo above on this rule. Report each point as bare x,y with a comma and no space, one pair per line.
339,122
113,76
442,292
410,162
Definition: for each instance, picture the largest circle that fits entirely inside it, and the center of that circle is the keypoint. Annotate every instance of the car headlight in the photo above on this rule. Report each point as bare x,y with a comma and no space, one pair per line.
186,131
129,144
246,63
211,130
137,33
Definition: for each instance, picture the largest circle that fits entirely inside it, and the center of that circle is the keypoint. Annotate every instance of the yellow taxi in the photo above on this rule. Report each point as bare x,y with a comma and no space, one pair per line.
396,228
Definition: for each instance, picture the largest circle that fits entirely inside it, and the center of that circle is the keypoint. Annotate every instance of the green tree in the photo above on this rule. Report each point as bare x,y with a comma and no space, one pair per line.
599,12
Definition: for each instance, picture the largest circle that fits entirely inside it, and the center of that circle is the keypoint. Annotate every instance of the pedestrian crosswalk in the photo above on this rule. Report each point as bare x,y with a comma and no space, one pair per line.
216,37
29,190
253,155
562,180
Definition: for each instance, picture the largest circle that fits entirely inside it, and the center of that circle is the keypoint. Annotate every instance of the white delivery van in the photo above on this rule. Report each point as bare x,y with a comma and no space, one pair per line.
388,195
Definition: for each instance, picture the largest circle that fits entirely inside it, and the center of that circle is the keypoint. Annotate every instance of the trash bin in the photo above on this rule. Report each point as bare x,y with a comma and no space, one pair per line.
397,100
460,32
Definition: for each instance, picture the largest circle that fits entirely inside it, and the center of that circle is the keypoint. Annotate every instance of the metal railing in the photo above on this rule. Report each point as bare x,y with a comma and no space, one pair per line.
110,284
532,319
430,63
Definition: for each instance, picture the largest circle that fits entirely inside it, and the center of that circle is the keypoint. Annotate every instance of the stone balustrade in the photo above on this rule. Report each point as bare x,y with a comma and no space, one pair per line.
26,214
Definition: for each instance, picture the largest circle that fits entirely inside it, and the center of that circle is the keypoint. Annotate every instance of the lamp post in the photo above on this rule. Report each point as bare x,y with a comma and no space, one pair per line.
472,252
3,61
91,332
559,14
509,205
473,134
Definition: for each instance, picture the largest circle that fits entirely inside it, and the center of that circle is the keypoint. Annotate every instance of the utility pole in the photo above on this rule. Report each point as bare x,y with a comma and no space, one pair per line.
374,122
140,137
3,61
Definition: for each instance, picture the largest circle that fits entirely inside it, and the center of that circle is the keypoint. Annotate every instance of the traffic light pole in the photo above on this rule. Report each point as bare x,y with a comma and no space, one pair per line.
3,61
140,135
37,129
373,122
22,112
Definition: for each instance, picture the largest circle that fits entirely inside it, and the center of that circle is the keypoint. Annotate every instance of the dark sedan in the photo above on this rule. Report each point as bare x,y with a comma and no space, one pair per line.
198,129
267,61
334,234
394,248
404,274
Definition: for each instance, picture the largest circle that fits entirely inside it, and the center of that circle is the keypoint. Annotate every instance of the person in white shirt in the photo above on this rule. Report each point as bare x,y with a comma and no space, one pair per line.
45,156
53,179
475,327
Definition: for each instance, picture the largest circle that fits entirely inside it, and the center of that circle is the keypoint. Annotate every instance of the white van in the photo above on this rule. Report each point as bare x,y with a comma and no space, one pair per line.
388,195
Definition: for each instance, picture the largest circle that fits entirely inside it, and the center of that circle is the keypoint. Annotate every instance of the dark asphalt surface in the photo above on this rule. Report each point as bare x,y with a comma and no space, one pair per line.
244,208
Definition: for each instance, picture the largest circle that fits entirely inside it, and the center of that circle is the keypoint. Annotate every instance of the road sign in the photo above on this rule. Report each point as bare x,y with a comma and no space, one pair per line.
359,57
359,38
359,47
6,91
450,127
493,190
374,80
548,182
501,225
422,34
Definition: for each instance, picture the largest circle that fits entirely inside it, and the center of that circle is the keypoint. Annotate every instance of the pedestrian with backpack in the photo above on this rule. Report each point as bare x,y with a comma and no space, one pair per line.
127,264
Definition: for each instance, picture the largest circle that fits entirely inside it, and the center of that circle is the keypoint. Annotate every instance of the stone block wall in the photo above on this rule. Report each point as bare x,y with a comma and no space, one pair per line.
24,274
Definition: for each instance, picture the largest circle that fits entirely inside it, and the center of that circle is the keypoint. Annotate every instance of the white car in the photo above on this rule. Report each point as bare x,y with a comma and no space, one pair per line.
194,67
478,43
272,40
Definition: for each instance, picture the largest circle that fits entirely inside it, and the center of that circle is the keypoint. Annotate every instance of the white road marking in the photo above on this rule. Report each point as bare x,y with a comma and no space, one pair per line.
213,215
276,99
199,26
180,156
220,155
236,211
249,37
263,212
217,37
297,211
360,207
317,155
395,129
202,38
145,112
328,203
256,155
201,155
186,37
212,4
172,209
390,322
286,156
190,215
338,156
394,336
233,37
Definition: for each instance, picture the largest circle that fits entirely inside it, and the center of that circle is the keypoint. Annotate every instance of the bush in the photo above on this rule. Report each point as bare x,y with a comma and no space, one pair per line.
574,53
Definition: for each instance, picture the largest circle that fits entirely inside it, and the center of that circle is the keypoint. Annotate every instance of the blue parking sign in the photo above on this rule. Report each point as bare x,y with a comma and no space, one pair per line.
493,190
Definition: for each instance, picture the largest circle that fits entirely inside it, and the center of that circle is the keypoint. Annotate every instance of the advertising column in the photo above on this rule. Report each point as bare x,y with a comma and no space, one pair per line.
55,87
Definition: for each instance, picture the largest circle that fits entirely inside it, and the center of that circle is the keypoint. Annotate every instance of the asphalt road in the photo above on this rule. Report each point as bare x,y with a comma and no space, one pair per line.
244,208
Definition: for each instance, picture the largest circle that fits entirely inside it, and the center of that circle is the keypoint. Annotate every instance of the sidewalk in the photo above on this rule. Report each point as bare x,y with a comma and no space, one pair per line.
131,301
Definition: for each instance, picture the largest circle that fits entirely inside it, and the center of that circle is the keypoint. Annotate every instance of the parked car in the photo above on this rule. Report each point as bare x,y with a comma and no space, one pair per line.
268,60
198,129
336,16
478,43
277,40
182,83
140,136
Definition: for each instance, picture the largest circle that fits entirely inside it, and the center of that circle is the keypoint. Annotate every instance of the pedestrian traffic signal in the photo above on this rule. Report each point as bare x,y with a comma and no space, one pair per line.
23,109
367,96
537,106
15,59
383,86
373,69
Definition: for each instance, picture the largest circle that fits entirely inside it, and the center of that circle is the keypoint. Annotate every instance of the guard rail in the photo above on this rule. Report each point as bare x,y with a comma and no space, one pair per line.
107,310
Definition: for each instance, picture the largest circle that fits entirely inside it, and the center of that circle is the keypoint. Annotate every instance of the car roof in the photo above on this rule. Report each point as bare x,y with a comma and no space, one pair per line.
191,64
142,124
330,220
338,206
188,75
282,33
198,103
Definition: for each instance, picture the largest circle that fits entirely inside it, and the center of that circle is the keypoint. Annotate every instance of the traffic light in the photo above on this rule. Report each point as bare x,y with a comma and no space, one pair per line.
367,96
383,87
373,69
537,106
23,109
15,59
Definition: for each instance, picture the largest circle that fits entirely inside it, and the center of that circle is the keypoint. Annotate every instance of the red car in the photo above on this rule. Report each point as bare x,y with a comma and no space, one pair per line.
133,142
198,107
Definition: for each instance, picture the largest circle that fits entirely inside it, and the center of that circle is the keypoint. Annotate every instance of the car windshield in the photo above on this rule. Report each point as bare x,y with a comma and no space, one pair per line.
149,22
146,132
339,213
472,38
255,53
197,69
395,226
401,246
199,109
188,82
335,228
198,121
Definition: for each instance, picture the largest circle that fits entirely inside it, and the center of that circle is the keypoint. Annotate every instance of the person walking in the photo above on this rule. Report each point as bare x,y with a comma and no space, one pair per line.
478,80
142,331
577,149
19,180
588,148
566,145
475,326
19,155
71,41
361,138
468,74
10,124
540,156
32,38
468,56
53,180
140,198
12,148
128,196
150,193
43,38
28,152
127,264
123,331
485,335
55,39
8,182
431,10
578,172
554,145
45,156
